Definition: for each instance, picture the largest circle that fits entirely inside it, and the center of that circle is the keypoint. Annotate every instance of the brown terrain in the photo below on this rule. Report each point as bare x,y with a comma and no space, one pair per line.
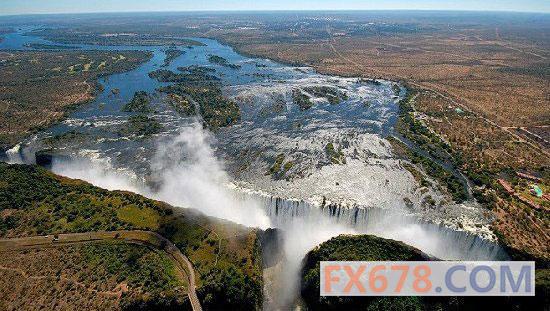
66,276
48,266
483,85
38,88
482,82
60,248
490,71
166,257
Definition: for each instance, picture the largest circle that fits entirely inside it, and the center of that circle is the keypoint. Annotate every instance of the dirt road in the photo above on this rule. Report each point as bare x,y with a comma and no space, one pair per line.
147,238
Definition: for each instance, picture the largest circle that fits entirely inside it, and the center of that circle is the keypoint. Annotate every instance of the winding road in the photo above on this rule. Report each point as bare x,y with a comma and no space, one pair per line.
146,238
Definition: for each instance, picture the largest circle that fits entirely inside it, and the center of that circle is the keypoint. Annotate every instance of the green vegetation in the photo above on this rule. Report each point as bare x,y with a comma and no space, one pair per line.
43,203
197,83
335,156
129,260
164,75
372,248
194,75
419,133
147,270
141,126
288,165
218,60
230,288
92,275
181,104
226,256
171,54
278,170
189,75
276,167
428,141
112,36
139,103
230,272
396,89
196,69
333,95
418,176
362,247
453,185
41,46
216,110
302,100
351,248
40,87
139,217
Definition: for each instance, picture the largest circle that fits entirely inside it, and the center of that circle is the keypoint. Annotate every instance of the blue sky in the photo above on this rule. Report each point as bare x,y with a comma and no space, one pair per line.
8,7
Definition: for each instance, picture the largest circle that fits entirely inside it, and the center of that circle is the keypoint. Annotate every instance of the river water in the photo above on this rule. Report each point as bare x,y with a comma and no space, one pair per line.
226,173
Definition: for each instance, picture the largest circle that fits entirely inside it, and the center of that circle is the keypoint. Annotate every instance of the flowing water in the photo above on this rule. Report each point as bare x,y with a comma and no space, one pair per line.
313,196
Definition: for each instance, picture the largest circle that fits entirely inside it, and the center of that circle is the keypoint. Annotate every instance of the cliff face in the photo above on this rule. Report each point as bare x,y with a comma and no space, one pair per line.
271,243
372,248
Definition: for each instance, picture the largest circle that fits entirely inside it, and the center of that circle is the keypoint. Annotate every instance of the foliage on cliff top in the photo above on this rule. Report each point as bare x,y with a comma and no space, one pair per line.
34,201
372,248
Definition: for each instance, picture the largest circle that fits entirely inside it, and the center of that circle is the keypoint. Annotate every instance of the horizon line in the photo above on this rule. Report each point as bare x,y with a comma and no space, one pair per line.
271,10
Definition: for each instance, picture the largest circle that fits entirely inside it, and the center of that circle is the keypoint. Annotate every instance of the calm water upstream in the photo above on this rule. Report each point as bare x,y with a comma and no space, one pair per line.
226,173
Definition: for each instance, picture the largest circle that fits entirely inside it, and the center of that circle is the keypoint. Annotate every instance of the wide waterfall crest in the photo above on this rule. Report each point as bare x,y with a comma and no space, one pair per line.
436,240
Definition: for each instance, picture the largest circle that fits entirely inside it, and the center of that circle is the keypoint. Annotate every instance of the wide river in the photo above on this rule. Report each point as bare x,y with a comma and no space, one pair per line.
226,173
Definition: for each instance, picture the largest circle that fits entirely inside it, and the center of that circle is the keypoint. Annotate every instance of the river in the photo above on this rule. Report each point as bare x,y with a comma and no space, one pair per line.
226,173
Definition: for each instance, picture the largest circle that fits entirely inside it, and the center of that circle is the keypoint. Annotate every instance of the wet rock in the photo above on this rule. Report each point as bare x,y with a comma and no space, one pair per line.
271,241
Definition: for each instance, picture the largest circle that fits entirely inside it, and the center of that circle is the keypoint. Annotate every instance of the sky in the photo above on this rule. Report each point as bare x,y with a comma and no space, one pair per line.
11,7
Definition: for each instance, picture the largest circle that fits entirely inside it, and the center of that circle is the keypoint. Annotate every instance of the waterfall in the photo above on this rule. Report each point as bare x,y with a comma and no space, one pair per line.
13,155
305,225
433,239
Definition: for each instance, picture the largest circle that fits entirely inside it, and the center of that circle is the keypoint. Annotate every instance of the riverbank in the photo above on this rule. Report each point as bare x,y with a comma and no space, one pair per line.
473,143
359,157
41,88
